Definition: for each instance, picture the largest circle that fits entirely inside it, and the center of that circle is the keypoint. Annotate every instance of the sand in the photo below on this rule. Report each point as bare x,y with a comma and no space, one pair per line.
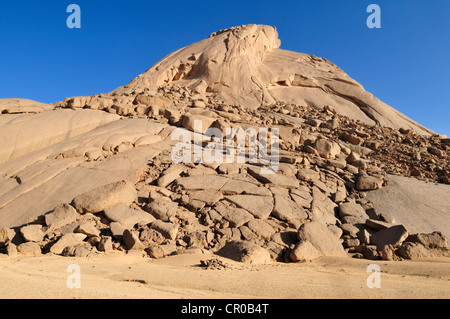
176,277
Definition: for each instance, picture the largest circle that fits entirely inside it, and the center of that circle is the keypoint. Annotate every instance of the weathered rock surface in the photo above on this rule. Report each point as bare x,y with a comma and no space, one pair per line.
245,252
104,197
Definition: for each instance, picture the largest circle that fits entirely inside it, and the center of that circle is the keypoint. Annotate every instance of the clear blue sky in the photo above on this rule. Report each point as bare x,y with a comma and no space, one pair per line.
405,63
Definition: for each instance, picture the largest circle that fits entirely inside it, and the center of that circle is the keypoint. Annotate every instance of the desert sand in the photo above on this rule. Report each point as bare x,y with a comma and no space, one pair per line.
122,276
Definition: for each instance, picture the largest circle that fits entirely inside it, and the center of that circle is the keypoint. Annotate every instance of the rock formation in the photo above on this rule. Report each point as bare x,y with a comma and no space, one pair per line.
96,174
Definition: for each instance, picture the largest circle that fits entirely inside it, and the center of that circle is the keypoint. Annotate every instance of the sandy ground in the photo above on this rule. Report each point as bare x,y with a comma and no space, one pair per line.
121,276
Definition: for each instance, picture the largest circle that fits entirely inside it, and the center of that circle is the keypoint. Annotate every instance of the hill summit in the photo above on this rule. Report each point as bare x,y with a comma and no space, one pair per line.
245,66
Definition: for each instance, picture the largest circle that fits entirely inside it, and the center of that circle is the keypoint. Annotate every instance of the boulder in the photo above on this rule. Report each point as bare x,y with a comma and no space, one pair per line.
105,244
236,216
117,230
199,182
155,251
327,148
171,174
128,216
131,240
188,121
261,228
378,224
275,179
394,236
147,140
162,208
11,250
432,240
367,183
245,252
106,196
6,235
67,240
322,239
31,249
352,213
168,230
410,250
88,229
209,197
32,233
304,251
259,206
287,210
60,216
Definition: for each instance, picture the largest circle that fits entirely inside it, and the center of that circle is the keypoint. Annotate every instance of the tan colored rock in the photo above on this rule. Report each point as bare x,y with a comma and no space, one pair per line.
168,230
259,206
131,240
367,183
127,216
162,208
394,236
327,148
188,121
32,233
67,240
171,174
31,249
245,252
322,238
62,215
413,251
304,251
236,216
88,229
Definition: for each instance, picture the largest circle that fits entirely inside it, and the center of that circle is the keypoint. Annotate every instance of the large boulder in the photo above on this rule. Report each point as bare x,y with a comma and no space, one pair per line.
106,196
67,240
32,233
327,148
323,242
245,252
394,236
62,215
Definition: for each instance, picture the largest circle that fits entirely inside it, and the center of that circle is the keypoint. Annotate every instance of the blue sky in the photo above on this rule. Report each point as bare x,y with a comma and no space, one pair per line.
405,63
